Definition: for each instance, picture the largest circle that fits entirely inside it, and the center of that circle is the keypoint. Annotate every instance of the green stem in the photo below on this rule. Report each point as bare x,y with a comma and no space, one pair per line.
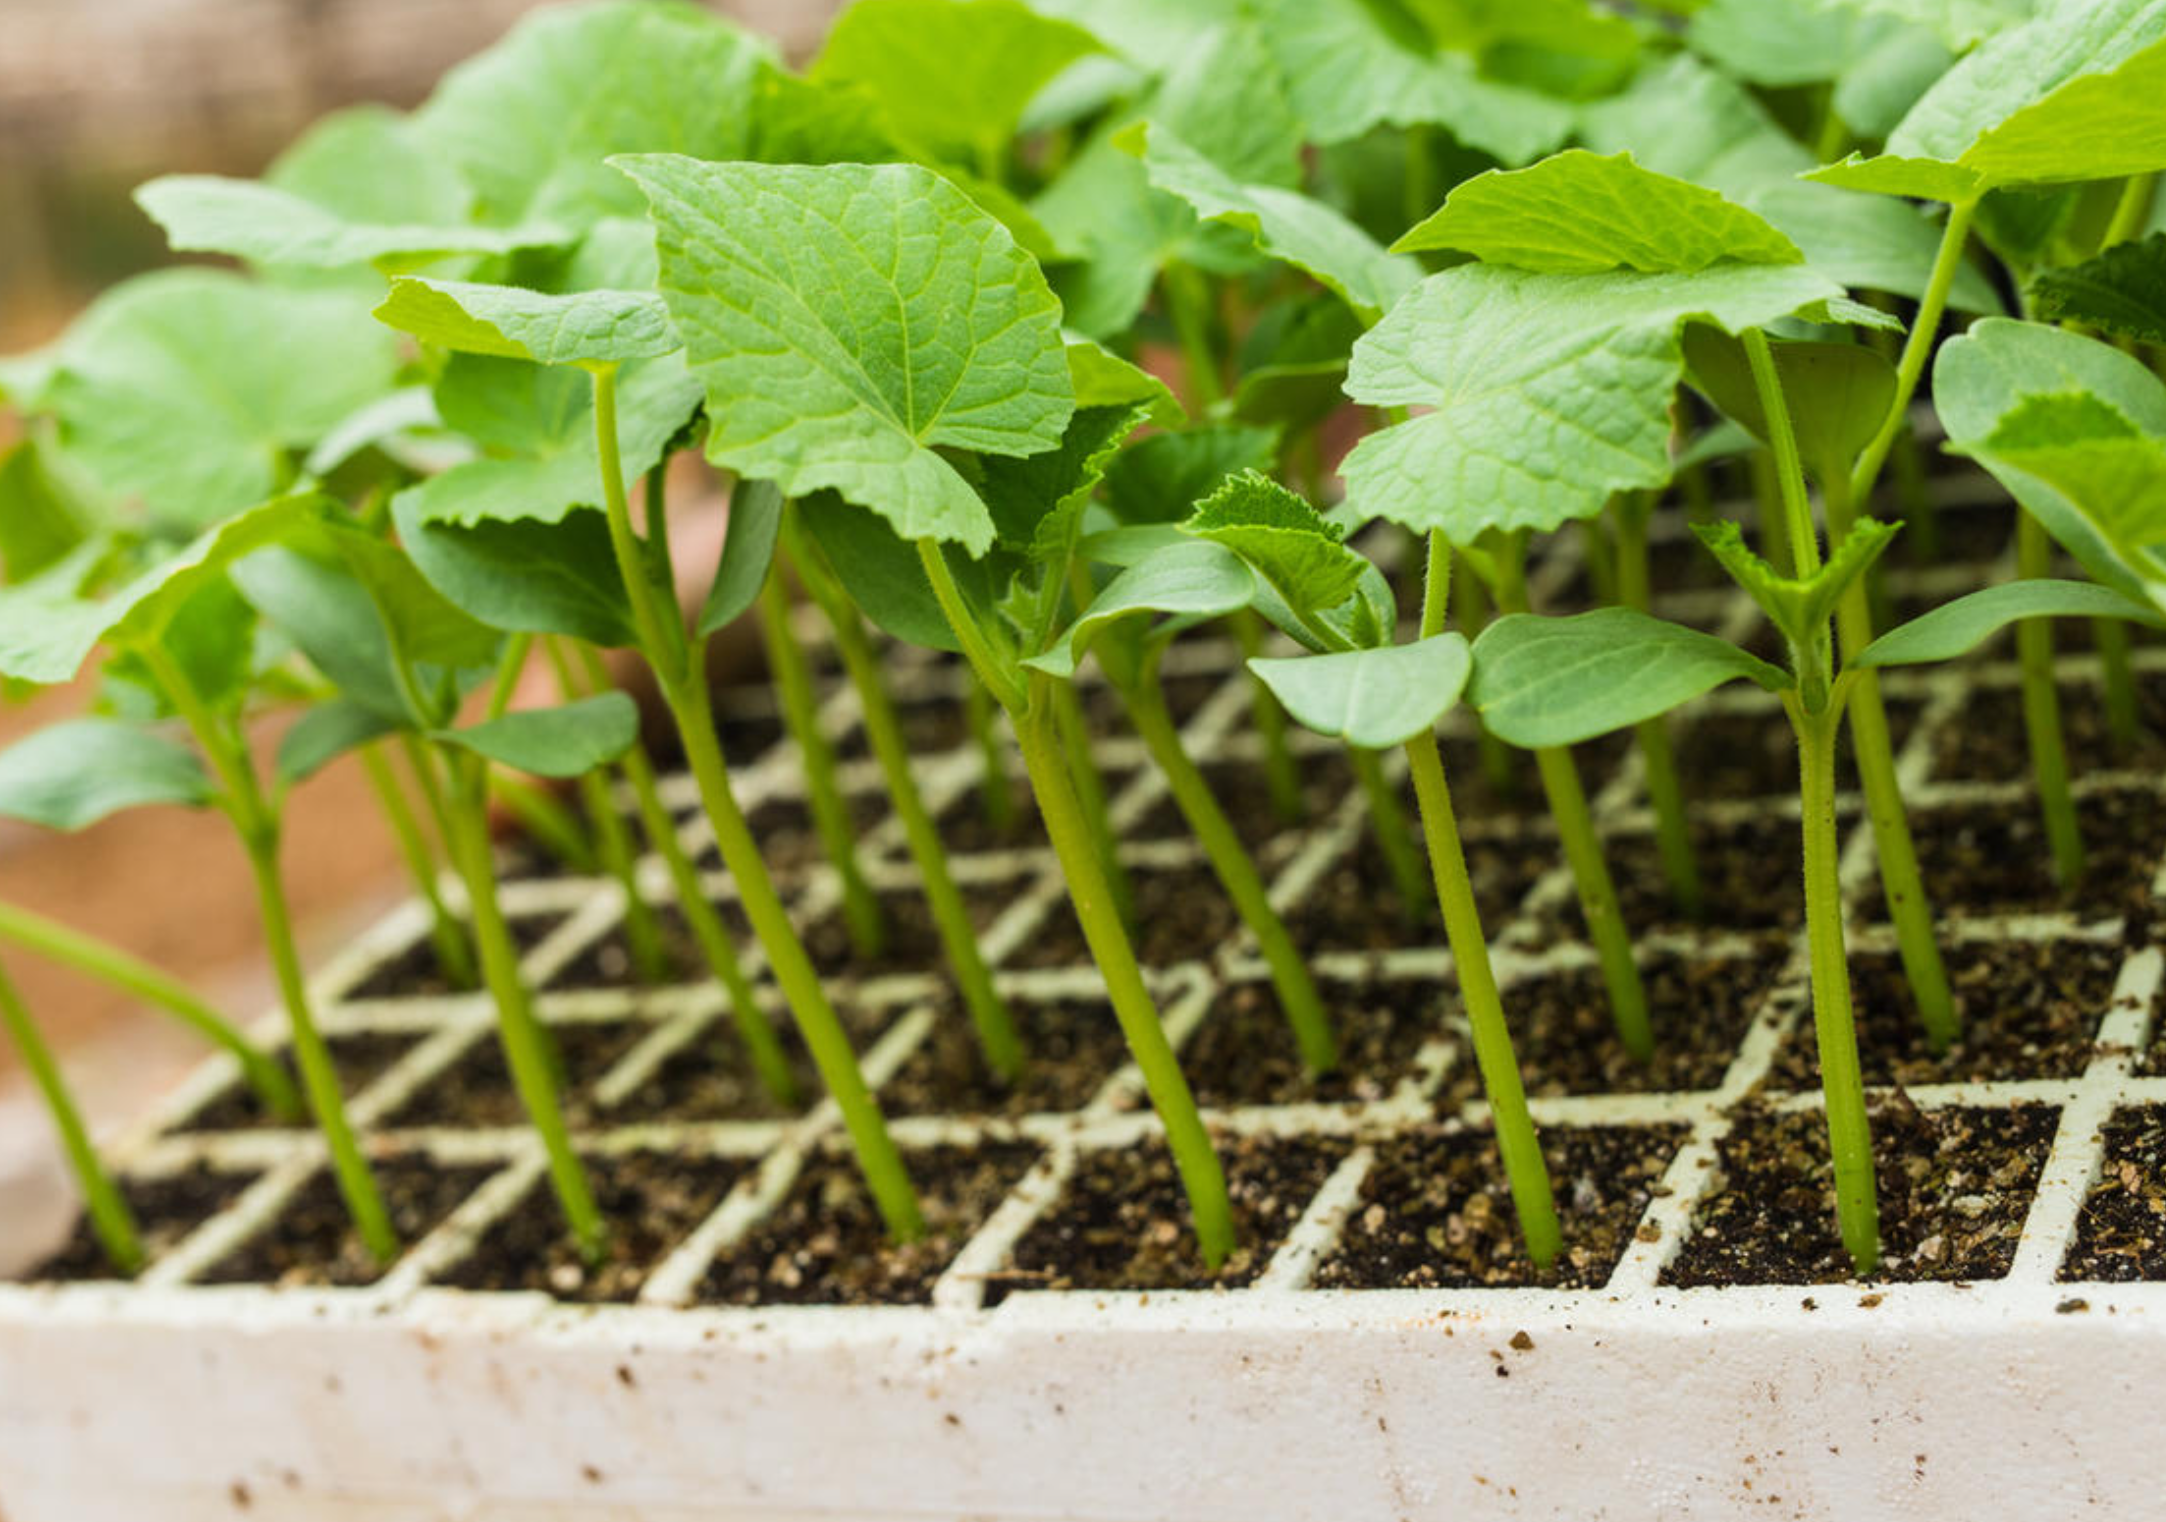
1236,870
526,1052
998,1038
996,793
1499,770
110,1218
453,955
109,964
1389,827
2042,712
543,818
2110,637
1850,1140
2131,211
1090,793
1673,834
1282,774
1924,328
1767,499
1188,304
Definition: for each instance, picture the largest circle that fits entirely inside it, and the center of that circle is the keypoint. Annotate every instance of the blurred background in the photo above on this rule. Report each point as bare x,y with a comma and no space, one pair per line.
97,96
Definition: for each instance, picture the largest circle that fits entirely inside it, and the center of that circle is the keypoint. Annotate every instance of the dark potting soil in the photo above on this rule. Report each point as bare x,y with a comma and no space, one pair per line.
966,831
930,726
1977,532
1435,1210
710,1078
166,1210
360,1057
312,1242
913,940
1729,754
1122,1223
1243,1052
1243,792
606,962
825,1243
650,1200
476,1091
2121,1234
789,841
1987,742
1567,1041
1182,914
2029,1009
1354,904
1995,860
1185,693
1954,1188
1749,877
1070,1048
414,972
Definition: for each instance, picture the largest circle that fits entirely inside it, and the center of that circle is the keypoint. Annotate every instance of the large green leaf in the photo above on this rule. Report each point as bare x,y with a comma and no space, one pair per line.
189,389
1103,379
525,574
530,122
1959,626
1959,23
585,327
1837,395
568,741
209,213
849,321
1578,211
1557,681
951,76
1150,32
2121,292
42,516
1372,698
70,775
1287,225
1548,392
1192,581
1037,500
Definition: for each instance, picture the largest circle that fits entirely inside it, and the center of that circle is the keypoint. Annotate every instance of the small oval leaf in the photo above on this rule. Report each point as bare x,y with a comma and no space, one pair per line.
1373,698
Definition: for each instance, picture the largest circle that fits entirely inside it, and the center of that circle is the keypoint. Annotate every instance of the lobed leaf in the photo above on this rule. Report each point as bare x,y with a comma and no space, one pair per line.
1798,607
1284,540
1193,581
70,775
585,327
1374,698
2121,291
566,741
1954,628
251,220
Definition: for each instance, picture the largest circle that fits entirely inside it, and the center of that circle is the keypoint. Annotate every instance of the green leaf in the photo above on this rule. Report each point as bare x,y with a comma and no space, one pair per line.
568,741
190,388
2098,462
848,321
1799,607
1578,211
1837,394
586,327
1194,581
1103,379
950,76
540,422
1161,477
42,516
1043,494
367,165
1287,225
1549,392
1372,698
1959,23
70,775
2121,292
1540,682
879,569
1889,174
530,122
326,732
525,574
1956,627
748,549
1284,540
1116,232
212,214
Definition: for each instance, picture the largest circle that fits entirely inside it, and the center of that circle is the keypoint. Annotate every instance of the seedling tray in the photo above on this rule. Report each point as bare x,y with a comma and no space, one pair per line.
1047,1359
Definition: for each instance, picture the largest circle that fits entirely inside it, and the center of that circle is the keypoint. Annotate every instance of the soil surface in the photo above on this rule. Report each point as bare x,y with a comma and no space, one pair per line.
361,1058
1243,791
1733,755
2030,1010
1182,914
1954,1188
311,1243
476,1091
1354,906
2121,1235
1122,1223
1071,1047
965,830
1435,1210
1186,693
913,940
825,1243
1749,877
650,1200
789,841
1995,860
166,1210
710,1078
1243,1052
414,972
930,726
1986,741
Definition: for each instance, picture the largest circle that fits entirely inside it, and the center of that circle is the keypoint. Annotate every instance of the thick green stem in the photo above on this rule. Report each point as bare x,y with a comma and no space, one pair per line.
1282,774
1850,1140
526,1052
1389,828
109,964
1673,833
453,954
816,755
1236,870
2109,636
2042,713
998,1038
1924,328
1090,794
111,1221
2132,211
996,792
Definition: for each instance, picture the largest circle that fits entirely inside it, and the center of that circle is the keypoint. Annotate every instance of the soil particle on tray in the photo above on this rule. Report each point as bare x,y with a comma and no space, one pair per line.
710,1078
1986,741
311,1242
2121,1234
1243,1052
1955,1185
475,1092
1122,1222
166,1209
1435,1210
651,1202
360,1057
413,973
1749,870
826,1245
1070,1048
1182,914
1738,754
1995,861
1353,905
2030,1010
